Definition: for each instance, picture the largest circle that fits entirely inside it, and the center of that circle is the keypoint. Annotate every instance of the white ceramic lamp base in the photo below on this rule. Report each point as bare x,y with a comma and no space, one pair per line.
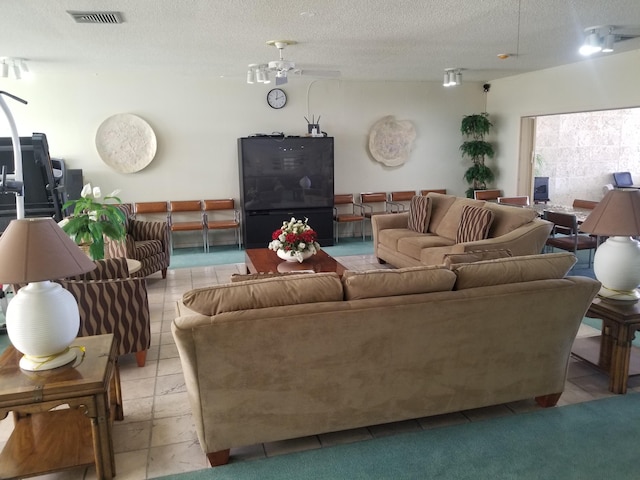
42,321
617,266
32,363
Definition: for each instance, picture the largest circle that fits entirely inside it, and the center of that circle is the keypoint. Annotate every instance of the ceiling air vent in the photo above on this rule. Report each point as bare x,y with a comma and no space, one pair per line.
97,17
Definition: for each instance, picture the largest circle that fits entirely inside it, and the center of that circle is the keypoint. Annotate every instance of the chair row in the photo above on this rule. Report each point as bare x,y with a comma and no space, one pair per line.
347,210
195,215
494,195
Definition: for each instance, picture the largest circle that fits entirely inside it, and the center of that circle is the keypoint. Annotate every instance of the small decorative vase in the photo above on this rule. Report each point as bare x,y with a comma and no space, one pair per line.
289,257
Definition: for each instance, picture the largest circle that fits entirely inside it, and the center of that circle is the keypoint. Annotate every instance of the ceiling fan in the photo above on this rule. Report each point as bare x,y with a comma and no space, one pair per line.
282,68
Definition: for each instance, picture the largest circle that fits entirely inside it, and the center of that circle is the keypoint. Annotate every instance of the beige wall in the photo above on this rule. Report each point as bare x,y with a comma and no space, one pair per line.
197,122
596,84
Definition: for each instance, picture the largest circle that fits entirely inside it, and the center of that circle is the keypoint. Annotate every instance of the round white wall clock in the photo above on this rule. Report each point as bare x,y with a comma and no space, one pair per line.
126,143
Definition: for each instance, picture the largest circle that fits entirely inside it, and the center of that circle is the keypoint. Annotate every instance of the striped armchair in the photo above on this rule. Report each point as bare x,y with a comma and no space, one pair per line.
112,302
147,242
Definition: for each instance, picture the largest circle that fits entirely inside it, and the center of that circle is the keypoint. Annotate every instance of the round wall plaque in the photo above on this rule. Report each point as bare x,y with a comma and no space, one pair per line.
126,143
391,140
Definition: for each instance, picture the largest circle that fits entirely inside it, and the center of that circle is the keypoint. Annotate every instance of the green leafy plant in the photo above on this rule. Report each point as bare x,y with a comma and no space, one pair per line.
478,175
92,220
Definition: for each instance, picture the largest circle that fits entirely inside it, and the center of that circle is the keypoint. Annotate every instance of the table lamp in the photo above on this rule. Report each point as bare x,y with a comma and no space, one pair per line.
42,318
617,261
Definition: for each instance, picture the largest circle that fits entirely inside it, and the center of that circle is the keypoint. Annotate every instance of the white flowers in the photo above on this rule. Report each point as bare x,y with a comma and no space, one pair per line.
295,237
95,192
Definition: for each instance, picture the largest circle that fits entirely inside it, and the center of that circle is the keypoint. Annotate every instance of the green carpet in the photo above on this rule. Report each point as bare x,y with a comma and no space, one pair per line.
593,440
229,254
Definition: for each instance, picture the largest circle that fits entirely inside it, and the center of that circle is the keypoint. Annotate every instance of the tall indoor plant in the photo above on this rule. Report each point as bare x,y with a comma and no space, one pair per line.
474,128
91,220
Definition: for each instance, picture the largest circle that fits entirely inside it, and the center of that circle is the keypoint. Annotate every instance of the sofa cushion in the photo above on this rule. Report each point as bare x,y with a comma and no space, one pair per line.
448,226
413,246
270,292
419,214
513,270
452,259
507,218
474,224
402,281
440,204
389,237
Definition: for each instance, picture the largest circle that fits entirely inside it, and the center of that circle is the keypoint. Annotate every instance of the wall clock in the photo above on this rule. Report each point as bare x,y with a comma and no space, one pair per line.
276,98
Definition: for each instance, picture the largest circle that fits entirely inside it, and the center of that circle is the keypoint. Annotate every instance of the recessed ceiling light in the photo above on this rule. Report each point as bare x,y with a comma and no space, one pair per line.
503,56
309,13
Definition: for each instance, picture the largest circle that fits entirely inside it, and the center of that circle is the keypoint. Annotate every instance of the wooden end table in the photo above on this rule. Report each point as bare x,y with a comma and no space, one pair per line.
612,350
263,260
45,440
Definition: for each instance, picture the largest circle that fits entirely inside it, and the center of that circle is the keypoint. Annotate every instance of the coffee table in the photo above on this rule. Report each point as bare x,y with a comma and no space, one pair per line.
612,350
45,440
263,260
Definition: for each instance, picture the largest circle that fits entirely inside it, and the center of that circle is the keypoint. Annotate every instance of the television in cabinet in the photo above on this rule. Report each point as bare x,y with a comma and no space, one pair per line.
284,177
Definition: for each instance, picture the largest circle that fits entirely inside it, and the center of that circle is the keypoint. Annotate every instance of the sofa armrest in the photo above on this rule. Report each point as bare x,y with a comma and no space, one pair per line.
528,239
145,230
109,268
390,220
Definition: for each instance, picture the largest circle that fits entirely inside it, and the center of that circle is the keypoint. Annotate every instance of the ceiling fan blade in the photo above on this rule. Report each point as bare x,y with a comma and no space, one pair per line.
318,73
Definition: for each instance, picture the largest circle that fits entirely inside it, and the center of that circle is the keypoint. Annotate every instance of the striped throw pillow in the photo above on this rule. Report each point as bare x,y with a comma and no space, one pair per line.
419,214
474,224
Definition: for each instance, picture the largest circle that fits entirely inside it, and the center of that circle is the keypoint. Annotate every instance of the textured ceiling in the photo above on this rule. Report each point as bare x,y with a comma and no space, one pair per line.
364,39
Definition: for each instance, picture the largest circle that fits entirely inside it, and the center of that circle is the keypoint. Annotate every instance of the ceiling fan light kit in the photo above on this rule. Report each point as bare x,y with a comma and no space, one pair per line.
18,66
602,38
260,73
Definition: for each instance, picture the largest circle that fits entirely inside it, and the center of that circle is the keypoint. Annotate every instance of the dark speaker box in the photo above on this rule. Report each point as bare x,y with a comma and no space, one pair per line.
73,183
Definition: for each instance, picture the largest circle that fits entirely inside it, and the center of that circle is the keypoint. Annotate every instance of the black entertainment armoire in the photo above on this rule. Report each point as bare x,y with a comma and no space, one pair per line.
284,177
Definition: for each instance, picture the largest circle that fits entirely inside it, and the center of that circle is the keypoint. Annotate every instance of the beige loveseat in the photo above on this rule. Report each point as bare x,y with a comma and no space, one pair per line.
516,229
286,357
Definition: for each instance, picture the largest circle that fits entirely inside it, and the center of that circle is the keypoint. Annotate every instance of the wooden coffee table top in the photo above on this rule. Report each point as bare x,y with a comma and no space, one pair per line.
263,260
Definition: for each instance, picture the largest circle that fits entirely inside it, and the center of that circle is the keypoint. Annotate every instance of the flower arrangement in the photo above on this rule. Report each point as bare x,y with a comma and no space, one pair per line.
296,238
92,220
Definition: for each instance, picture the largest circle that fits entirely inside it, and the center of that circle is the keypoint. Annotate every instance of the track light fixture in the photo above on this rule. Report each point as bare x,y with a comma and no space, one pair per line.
258,73
603,37
18,66
452,77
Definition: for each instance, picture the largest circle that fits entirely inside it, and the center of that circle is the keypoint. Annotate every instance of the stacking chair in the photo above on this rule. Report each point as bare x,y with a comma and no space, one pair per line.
623,180
181,219
520,201
213,207
587,204
354,215
425,192
570,239
487,195
394,203
374,203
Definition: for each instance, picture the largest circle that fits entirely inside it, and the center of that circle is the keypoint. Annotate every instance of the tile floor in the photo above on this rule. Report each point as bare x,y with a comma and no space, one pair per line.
157,436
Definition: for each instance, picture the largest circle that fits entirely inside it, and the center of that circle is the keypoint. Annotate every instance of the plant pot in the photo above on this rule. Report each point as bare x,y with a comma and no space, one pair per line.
289,257
85,248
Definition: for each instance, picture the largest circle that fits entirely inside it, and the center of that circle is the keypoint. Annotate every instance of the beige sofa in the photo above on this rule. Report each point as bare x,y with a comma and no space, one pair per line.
513,228
286,357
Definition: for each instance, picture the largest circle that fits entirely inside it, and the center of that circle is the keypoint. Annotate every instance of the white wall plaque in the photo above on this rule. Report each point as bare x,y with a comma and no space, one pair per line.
391,140
126,143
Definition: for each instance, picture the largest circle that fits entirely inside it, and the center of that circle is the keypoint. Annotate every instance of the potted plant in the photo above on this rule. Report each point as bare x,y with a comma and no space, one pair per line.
474,128
92,220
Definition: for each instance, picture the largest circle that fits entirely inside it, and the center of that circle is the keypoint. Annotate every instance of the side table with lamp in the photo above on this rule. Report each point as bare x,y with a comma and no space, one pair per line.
47,366
616,265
